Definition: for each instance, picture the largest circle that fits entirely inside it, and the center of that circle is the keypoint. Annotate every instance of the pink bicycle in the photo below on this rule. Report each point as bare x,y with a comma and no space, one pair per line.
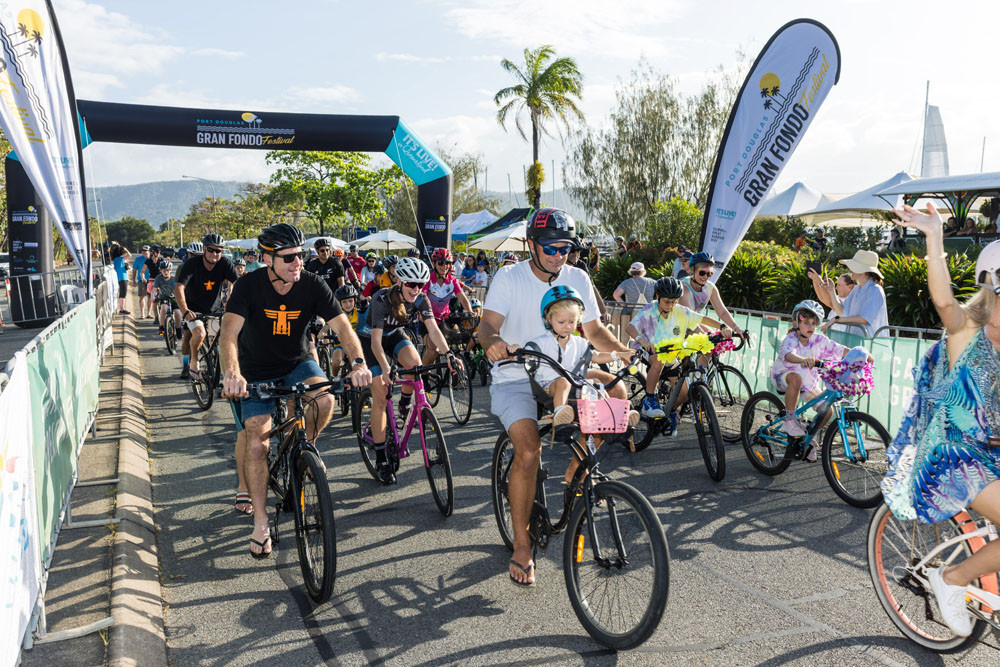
421,417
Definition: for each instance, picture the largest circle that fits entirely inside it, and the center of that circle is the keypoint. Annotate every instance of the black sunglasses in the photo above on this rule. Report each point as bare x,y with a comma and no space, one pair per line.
219,250
706,273
288,259
414,285
442,262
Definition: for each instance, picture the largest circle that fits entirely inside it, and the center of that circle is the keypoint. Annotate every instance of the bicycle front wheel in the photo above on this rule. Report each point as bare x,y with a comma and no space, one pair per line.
314,529
706,426
617,566
730,392
361,415
765,444
204,389
894,546
170,334
438,463
460,397
858,481
324,361
434,386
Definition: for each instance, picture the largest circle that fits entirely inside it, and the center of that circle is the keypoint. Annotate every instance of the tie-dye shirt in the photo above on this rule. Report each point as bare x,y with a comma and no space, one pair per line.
818,346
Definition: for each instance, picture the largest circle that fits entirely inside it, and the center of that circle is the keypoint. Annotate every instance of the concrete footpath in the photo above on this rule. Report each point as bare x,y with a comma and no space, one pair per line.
111,569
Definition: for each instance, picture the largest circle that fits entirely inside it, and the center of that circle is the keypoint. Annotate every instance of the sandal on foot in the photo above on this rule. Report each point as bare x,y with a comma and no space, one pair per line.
243,499
527,571
263,554
194,375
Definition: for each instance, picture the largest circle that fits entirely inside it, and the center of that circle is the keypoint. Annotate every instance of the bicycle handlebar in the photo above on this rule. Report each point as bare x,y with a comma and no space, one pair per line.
266,390
521,353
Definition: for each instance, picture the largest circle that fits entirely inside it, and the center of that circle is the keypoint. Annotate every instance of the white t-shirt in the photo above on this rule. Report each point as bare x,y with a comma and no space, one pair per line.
482,279
568,358
516,293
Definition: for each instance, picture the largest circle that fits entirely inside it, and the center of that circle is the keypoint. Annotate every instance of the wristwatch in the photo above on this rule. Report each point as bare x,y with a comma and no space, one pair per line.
358,362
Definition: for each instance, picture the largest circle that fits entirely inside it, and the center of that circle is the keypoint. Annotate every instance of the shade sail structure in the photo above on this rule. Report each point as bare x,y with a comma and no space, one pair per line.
510,239
387,239
793,201
858,209
959,192
470,223
506,220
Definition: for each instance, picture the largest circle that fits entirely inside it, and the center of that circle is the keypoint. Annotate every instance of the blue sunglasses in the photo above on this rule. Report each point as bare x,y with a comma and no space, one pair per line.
552,250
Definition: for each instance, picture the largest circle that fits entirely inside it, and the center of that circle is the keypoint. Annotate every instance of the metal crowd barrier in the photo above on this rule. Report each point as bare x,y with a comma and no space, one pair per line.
46,296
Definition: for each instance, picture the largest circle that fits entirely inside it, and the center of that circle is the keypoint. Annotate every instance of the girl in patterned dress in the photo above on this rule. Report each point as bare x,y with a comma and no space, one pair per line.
946,455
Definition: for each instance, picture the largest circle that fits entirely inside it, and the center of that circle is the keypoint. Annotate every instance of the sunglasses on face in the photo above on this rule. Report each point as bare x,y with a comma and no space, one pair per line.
214,250
706,273
442,263
288,259
416,286
323,250
553,250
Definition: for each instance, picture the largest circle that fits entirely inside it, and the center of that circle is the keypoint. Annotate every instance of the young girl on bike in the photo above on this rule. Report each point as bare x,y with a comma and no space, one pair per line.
946,455
347,297
794,371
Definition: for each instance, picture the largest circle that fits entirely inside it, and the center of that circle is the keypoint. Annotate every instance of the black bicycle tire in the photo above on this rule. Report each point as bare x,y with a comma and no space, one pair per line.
170,334
748,437
319,588
216,367
204,392
723,374
832,471
359,425
706,425
461,416
894,608
574,552
499,472
484,371
433,387
439,452
325,363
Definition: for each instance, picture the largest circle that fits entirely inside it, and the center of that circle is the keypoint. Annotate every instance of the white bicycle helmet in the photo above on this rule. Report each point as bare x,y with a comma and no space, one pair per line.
988,264
412,270
809,306
195,248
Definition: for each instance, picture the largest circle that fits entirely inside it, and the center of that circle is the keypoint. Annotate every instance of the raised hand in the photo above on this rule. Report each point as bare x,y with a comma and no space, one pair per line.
927,222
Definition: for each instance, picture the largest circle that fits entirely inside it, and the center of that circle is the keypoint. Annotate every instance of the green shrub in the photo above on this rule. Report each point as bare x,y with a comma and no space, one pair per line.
907,296
612,271
746,280
673,223
780,230
775,253
791,285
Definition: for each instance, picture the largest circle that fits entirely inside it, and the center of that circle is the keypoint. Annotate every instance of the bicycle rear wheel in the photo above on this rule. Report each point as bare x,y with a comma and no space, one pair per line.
619,594
706,426
460,397
857,482
894,546
204,389
170,333
314,527
730,392
361,415
765,444
503,459
439,464
434,386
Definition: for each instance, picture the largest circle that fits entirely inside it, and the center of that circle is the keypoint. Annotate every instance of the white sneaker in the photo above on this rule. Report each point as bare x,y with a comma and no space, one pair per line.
562,415
793,427
951,602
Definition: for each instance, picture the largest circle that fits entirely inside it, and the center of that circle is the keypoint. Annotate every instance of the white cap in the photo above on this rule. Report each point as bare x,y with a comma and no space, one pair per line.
637,266
988,262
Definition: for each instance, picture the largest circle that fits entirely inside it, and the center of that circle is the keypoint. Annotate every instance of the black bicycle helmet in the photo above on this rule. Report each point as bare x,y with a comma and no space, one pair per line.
391,260
668,287
321,242
551,224
240,262
213,239
413,252
162,264
701,258
346,292
279,237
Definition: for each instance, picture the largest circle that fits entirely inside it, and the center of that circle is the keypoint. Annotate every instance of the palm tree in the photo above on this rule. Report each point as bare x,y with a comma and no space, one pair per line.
547,87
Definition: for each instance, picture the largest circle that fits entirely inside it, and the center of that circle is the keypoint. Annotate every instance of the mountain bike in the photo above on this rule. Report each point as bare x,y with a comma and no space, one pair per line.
853,447
615,556
297,477
325,345
729,388
209,366
421,417
901,554
171,336
457,386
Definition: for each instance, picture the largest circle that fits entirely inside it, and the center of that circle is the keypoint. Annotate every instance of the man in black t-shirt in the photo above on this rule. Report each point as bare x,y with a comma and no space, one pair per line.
199,291
325,265
264,338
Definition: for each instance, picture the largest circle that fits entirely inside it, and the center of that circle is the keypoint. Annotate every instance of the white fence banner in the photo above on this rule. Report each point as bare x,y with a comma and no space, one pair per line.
19,547
38,114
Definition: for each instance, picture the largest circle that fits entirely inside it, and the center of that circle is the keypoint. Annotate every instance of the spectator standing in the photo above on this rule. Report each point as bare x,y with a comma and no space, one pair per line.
682,265
896,241
633,243
819,243
119,259
482,278
469,272
866,304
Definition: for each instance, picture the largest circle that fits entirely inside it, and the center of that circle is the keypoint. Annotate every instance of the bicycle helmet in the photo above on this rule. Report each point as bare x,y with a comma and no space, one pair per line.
412,270
195,248
668,287
279,237
213,239
163,264
144,248
809,306
371,255
239,262
352,248
988,264
557,294
338,253
619,239
345,292
701,258
321,242
413,252
475,303
441,255
390,260
154,248
551,224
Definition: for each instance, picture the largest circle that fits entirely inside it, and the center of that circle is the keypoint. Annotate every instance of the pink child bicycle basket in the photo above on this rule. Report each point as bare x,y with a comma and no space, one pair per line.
604,415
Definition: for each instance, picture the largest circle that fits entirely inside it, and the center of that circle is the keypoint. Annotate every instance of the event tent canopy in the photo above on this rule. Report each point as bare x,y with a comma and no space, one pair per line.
470,223
857,210
792,201
512,238
959,191
387,239
508,219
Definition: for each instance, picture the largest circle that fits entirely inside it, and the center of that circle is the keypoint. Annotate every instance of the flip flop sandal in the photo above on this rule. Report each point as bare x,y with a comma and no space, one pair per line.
263,554
526,570
194,375
243,499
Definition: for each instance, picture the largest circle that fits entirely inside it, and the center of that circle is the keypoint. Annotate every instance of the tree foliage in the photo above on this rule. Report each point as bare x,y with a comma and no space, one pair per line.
130,232
674,222
4,149
333,188
548,89
657,144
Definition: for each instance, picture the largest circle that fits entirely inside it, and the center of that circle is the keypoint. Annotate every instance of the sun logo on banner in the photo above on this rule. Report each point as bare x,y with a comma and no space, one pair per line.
252,120
281,319
31,28
770,87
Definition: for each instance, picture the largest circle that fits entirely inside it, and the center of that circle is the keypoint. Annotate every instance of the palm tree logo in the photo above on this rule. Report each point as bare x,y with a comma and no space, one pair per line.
252,120
31,28
770,88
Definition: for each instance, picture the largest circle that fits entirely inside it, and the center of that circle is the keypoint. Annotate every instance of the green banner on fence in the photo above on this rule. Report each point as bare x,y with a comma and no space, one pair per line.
63,380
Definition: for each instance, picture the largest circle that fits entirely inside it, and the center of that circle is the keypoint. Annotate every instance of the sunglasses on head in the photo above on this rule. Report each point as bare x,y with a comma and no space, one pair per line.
213,250
414,285
553,250
288,259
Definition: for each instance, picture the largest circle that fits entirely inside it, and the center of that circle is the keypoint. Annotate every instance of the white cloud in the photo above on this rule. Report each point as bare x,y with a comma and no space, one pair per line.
314,96
294,99
408,58
221,53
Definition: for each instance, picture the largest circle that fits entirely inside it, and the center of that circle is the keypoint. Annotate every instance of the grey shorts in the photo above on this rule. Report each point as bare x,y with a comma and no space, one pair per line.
512,402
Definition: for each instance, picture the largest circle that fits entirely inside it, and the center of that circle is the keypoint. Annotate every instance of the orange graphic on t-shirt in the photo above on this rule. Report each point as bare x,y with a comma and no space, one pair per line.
209,285
282,318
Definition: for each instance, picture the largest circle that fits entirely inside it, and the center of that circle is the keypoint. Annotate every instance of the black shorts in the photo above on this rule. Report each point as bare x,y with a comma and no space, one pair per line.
392,343
122,289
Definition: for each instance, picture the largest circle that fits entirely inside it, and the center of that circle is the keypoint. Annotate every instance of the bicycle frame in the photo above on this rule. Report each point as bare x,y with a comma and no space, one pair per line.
419,401
840,405
291,443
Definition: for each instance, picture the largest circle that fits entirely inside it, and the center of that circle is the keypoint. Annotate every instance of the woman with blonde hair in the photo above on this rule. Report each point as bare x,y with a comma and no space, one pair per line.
946,455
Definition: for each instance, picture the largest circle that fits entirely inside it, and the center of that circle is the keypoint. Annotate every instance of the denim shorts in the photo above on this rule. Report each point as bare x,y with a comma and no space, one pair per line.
245,408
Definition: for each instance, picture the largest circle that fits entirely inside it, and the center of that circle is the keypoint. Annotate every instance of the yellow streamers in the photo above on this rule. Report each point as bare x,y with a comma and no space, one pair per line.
684,347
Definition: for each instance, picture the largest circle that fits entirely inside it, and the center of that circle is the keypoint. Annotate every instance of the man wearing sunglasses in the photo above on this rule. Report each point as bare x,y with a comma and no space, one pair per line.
325,265
265,339
199,290
511,317
699,291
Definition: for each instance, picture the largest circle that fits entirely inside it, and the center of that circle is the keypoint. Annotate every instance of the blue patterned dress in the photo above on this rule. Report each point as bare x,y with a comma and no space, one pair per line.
940,459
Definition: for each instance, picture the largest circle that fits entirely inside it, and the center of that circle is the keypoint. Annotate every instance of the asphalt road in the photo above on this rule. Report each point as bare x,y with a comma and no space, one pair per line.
763,570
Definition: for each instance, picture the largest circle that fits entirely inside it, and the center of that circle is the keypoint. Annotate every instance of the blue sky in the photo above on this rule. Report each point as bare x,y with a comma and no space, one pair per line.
436,64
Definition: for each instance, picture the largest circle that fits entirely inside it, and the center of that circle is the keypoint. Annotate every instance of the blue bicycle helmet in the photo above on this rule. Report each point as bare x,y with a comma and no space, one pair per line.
557,294
701,258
